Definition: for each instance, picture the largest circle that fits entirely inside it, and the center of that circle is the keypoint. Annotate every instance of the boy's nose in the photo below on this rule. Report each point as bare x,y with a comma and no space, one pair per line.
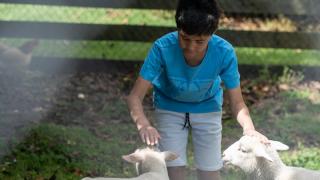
191,47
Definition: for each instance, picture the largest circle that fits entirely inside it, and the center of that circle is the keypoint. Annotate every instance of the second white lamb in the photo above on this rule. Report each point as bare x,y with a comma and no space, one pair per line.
262,162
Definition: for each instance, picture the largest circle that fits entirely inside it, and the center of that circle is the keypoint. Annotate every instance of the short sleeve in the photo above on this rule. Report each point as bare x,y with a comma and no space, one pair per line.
229,72
152,66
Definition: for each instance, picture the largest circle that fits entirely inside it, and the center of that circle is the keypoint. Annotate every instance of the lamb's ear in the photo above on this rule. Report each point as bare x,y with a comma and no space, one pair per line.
169,156
279,146
133,158
261,152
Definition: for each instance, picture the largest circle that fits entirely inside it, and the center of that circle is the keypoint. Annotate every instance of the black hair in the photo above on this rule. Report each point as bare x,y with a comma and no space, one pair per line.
198,17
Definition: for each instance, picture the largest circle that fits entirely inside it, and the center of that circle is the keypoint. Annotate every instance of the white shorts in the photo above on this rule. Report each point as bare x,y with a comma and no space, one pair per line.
206,137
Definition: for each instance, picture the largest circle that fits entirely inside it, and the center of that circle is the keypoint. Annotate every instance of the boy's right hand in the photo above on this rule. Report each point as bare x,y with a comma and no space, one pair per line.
149,135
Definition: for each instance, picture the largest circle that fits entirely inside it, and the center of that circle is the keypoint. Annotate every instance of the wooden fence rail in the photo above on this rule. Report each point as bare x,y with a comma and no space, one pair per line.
253,7
45,30
74,31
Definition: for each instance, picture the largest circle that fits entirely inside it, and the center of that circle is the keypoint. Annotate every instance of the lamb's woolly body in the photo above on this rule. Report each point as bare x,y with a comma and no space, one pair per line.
297,173
15,57
12,57
266,170
262,162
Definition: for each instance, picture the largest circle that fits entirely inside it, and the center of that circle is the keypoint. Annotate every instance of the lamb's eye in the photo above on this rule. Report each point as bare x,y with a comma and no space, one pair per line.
242,150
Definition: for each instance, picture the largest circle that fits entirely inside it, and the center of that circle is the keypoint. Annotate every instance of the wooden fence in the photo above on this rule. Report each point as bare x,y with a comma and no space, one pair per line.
285,7
73,31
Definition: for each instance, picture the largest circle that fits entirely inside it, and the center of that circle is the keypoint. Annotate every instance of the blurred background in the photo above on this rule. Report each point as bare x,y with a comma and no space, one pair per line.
66,67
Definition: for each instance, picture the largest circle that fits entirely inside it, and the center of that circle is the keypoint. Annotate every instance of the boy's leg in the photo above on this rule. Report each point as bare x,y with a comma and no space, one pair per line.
173,138
177,173
206,138
208,175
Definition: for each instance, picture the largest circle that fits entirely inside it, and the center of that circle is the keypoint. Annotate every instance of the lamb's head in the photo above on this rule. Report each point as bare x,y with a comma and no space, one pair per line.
148,159
245,152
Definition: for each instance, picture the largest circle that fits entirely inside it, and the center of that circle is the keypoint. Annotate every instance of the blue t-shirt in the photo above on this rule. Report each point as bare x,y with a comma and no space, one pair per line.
180,87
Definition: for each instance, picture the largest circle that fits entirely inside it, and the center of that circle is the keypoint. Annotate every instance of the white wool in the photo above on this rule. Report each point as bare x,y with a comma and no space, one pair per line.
262,162
150,165
12,56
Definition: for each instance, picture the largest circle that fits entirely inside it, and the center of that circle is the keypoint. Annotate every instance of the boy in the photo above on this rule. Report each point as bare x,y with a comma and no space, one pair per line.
185,69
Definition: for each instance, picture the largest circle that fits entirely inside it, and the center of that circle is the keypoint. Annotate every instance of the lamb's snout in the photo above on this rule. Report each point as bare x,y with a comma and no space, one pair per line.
225,159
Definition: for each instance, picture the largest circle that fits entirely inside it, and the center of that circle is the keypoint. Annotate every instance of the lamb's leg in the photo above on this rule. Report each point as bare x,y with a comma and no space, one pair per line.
177,173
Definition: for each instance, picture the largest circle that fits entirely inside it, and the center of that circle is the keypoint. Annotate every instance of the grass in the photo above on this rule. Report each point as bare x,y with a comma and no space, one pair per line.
72,152
292,118
270,56
309,157
121,50
41,13
68,153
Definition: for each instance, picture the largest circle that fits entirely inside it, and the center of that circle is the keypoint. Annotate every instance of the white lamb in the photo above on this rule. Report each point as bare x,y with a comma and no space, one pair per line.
14,57
262,162
150,165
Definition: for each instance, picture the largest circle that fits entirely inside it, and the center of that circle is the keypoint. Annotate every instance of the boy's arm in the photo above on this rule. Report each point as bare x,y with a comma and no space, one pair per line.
241,113
147,133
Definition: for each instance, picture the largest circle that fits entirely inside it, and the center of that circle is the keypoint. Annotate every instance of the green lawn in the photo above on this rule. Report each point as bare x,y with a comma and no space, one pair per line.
120,50
68,152
74,151
40,13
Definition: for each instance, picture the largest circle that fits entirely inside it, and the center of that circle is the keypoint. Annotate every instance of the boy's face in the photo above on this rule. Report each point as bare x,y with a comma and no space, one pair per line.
193,45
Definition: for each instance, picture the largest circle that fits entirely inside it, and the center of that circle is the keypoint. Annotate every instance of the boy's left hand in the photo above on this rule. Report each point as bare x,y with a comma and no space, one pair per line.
255,133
